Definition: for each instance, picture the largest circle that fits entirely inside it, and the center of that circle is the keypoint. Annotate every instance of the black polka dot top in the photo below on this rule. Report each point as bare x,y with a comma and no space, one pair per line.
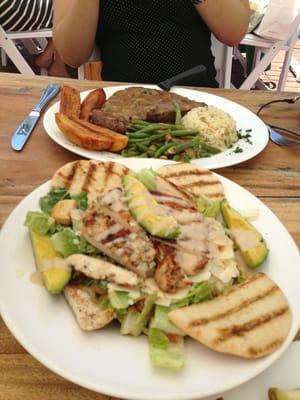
148,41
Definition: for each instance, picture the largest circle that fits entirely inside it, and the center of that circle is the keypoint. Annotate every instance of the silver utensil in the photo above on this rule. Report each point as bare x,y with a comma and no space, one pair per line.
277,138
23,132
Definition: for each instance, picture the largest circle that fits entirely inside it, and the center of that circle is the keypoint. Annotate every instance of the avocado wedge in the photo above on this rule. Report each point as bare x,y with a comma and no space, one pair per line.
55,274
248,240
147,212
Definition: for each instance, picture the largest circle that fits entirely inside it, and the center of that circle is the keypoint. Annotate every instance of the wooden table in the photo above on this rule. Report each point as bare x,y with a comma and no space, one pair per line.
273,176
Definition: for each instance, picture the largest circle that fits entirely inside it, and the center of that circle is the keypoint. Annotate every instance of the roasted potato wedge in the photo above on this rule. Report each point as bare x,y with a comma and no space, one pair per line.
119,141
70,102
94,100
82,136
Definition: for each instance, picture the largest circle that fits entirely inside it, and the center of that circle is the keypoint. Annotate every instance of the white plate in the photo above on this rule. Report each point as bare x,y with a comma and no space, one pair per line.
119,366
244,118
284,374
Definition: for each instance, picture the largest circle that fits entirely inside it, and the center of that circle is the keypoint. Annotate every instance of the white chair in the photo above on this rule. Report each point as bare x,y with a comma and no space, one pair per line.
9,48
265,51
222,58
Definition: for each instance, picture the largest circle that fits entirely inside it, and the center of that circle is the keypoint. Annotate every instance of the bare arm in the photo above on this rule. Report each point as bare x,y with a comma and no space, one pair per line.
74,29
227,19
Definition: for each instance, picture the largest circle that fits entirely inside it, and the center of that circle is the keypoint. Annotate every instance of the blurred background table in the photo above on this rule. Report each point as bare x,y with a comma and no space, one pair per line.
273,176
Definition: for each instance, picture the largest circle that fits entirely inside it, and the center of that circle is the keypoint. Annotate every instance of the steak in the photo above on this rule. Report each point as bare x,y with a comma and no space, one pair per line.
141,103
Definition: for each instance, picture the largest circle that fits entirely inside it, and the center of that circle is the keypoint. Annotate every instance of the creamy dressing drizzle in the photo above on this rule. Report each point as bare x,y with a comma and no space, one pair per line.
246,238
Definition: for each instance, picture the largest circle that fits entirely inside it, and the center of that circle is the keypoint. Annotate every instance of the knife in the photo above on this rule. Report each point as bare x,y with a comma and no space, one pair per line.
177,79
23,132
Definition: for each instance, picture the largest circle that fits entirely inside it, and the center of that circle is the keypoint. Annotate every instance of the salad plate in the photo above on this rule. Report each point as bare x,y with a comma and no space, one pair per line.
116,365
246,121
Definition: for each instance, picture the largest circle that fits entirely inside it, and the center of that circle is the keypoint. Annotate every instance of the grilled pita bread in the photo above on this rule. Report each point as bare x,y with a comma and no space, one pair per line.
194,180
250,321
89,176
89,315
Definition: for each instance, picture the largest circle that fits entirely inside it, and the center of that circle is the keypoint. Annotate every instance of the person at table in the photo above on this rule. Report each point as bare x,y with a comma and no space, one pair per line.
148,41
24,15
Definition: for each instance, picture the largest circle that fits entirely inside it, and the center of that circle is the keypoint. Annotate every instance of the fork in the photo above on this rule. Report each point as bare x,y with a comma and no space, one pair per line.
277,138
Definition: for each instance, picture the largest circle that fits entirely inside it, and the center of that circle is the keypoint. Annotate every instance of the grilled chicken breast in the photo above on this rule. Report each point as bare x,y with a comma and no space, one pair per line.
250,321
88,313
194,180
109,226
200,240
90,176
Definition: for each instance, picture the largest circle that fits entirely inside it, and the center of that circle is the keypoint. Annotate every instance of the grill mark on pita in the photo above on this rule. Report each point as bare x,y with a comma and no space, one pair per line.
186,172
199,182
236,309
69,177
89,177
255,351
108,170
240,330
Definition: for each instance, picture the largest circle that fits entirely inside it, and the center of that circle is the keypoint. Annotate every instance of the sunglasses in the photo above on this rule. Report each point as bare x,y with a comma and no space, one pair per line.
289,101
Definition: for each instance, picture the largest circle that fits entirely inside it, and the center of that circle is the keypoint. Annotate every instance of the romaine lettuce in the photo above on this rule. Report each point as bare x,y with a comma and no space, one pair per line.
161,321
39,222
67,242
48,201
200,292
166,353
147,177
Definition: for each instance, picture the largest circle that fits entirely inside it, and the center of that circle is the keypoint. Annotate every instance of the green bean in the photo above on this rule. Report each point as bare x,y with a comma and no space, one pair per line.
161,150
177,113
210,149
142,147
184,132
143,155
140,121
138,135
147,140
148,128
129,153
184,146
136,127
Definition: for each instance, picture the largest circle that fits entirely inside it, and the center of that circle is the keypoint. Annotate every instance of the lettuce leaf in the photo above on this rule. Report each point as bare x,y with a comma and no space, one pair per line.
147,177
39,222
200,292
48,201
67,242
166,353
161,322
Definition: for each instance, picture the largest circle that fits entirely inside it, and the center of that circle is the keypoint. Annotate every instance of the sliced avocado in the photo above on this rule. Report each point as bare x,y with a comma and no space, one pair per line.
148,213
55,274
248,240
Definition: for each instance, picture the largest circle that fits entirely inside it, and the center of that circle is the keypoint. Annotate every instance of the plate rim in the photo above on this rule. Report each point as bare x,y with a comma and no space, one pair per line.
106,390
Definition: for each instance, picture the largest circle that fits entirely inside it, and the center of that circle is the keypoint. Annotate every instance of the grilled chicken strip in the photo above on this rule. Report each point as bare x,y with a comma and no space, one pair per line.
88,313
98,269
109,226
